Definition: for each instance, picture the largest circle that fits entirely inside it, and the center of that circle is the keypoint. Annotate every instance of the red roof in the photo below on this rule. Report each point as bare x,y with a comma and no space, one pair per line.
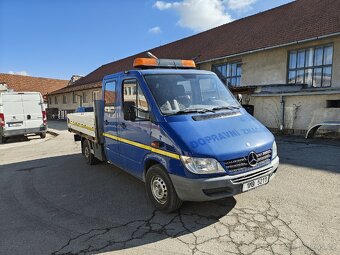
23,83
292,22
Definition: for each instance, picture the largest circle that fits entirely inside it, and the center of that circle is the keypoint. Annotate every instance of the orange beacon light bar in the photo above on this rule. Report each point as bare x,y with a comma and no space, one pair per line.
163,63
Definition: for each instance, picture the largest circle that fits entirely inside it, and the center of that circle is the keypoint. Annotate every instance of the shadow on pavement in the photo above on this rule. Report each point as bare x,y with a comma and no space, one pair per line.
60,125
21,139
317,153
60,205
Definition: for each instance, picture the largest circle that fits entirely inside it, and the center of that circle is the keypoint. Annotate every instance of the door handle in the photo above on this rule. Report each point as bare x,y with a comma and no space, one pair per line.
28,117
123,125
106,122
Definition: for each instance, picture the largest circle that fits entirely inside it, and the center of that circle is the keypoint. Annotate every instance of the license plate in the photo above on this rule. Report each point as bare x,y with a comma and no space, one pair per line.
14,124
255,183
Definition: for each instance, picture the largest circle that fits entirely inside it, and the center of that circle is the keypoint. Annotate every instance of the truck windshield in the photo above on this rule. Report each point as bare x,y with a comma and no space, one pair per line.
187,93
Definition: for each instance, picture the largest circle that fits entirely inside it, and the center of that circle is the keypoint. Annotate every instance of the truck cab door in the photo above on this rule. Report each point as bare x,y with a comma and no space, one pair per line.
134,131
110,122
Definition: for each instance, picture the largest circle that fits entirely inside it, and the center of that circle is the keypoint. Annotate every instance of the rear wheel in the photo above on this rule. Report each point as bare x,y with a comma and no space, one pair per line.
160,190
3,139
89,157
43,135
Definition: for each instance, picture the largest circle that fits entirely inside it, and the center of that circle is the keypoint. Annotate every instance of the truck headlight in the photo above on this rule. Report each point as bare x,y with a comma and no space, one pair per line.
274,150
202,165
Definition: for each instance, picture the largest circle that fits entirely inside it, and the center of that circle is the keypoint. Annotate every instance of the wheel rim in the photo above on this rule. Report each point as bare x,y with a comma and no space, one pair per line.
87,152
159,189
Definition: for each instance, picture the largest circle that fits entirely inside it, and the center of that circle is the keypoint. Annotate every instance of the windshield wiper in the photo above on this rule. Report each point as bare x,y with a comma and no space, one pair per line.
225,108
198,110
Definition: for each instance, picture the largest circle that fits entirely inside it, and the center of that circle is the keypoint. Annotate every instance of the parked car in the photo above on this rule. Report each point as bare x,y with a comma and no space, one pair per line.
22,113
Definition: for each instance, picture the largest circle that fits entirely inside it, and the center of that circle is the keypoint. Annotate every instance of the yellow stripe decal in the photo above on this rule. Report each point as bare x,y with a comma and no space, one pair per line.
81,125
143,146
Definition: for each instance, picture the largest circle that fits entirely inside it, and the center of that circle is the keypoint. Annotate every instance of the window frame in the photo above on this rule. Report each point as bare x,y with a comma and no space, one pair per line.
75,98
95,92
114,104
135,93
225,79
64,99
312,67
84,96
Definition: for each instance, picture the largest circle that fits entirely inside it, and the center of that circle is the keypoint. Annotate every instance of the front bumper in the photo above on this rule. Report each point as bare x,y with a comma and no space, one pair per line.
219,187
15,132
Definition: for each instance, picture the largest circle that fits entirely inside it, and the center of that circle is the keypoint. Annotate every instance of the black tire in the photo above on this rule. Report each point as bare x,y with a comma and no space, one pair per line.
42,135
89,157
160,190
3,139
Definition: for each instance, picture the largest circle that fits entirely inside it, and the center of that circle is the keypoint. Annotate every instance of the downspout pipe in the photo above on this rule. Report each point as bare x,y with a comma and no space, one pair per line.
282,125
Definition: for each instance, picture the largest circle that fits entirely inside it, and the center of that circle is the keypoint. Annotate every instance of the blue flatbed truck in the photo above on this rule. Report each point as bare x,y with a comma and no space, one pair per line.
179,130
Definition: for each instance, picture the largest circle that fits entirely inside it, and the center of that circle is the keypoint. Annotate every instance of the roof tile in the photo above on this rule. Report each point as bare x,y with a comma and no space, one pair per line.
23,83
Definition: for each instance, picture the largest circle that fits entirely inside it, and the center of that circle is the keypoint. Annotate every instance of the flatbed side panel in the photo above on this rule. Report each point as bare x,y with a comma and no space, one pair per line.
83,123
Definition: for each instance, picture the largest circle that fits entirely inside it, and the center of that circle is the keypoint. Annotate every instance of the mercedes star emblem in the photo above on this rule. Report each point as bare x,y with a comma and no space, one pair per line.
252,159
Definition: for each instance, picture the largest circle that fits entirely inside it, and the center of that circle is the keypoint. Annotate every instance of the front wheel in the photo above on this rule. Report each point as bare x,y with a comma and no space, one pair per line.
160,190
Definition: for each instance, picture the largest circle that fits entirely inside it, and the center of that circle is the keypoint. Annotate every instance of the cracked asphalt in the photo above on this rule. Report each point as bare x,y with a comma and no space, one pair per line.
51,202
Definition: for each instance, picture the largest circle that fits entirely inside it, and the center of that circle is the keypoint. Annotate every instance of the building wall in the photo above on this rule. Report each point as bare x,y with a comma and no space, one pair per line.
269,68
300,112
70,106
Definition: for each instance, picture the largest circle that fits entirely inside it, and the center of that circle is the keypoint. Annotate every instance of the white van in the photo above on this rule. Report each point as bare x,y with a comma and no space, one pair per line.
22,113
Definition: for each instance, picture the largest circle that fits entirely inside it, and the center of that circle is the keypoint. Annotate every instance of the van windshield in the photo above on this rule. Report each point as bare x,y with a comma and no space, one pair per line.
187,93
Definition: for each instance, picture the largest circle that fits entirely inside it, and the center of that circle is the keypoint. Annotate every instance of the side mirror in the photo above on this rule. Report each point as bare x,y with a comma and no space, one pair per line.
129,111
239,98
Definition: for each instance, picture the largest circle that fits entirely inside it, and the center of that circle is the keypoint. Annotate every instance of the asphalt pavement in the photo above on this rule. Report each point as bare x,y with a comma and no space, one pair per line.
51,202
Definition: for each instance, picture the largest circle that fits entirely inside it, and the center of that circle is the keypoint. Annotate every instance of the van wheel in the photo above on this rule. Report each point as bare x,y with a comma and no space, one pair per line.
3,139
89,157
43,135
160,190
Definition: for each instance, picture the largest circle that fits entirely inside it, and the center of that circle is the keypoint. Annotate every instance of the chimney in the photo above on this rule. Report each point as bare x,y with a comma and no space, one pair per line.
73,79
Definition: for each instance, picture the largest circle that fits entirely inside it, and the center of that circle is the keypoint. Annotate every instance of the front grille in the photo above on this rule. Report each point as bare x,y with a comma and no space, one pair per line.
249,177
241,164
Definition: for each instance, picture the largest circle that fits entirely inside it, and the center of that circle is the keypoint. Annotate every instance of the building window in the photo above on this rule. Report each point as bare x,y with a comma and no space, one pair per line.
95,95
333,103
75,98
64,99
312,66
49,100
56,100
229,73
84,97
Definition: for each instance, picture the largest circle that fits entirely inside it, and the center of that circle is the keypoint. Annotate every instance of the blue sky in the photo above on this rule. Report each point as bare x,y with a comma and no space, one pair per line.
58,38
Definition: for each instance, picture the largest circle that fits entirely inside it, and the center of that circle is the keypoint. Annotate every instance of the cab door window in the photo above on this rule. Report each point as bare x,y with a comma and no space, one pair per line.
110,96
135,105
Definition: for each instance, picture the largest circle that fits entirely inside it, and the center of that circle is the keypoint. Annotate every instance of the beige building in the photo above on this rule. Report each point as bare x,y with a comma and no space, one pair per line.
285,62
290,87
68,99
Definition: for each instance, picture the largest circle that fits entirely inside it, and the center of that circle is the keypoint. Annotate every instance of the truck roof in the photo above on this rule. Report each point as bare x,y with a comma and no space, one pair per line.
161,71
